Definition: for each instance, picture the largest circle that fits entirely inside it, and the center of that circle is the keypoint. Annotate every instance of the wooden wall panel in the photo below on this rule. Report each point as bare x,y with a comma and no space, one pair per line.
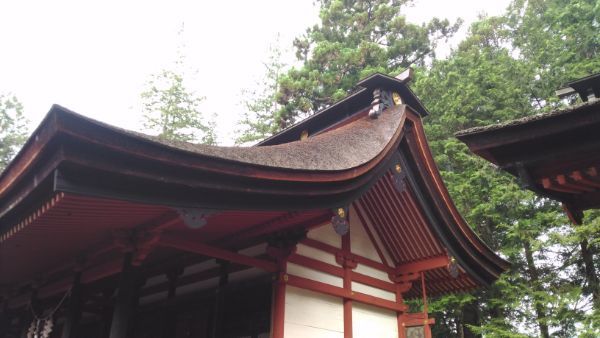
369,322
312,315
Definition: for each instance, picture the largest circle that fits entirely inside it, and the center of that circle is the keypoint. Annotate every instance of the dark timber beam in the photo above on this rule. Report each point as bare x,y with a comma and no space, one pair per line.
170,317
73,313
218,309
125,301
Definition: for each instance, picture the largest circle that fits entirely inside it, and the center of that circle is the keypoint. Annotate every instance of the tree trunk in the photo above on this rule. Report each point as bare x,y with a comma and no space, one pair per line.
470,316
460,328
590,272
534,279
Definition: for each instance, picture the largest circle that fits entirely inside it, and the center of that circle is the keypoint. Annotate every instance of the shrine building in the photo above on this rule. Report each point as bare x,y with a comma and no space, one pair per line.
322,230
554,154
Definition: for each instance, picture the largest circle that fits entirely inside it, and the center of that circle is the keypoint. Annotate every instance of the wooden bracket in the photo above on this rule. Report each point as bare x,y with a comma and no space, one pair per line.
140,243
403,287
145,242
575,216
122,240
346,260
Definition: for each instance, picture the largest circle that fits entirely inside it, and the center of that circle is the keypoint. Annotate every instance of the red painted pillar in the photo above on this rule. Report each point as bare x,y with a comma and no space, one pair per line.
400,300
347,286
427,328
278,315
280,249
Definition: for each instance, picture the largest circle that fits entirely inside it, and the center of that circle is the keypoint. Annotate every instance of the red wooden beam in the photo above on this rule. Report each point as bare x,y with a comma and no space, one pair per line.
317,265
577,185
549,184
374,282
185,244
333,250
335,291
582,178
423,265
340,272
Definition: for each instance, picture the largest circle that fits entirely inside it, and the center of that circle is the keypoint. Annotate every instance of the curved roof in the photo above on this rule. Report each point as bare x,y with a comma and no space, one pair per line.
323,152
349,162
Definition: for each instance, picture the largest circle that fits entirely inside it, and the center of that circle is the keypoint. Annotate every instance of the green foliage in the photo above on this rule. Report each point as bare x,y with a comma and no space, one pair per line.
509,67
173,111
13,128
559,37
260,103
355,38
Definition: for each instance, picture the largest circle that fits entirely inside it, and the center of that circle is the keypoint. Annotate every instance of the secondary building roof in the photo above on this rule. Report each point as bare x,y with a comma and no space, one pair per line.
556,154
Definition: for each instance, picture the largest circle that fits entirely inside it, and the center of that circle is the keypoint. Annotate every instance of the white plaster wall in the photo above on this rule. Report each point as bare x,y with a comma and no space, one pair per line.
325,234
312,315
317,254
375,273
360,243
301,271
372,291
372,322
355,220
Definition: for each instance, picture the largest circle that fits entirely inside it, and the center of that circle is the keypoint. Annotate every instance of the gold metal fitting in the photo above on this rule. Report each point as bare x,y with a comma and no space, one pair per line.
396,98
304,135
341,212
398,168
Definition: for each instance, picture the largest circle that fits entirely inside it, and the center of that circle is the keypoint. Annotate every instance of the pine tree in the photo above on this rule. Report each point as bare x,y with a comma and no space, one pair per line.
354,39
261,102
171,109
13,128
508,67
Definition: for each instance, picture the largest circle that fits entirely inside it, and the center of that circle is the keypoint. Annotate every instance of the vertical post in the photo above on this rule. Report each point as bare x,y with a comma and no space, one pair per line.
280,248
426,327
34,303
278,308
169,324
5,319
217,319
73,315
136,302
125,301
347,286
107,311
400,300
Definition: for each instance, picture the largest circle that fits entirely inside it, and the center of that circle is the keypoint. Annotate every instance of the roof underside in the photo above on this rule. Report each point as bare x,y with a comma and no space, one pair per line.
554,154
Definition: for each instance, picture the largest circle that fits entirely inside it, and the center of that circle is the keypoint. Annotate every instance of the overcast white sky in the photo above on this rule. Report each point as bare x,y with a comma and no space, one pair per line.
95,57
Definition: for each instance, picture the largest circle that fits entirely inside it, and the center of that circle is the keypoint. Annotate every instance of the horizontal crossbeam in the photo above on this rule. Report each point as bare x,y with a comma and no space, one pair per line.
185,244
